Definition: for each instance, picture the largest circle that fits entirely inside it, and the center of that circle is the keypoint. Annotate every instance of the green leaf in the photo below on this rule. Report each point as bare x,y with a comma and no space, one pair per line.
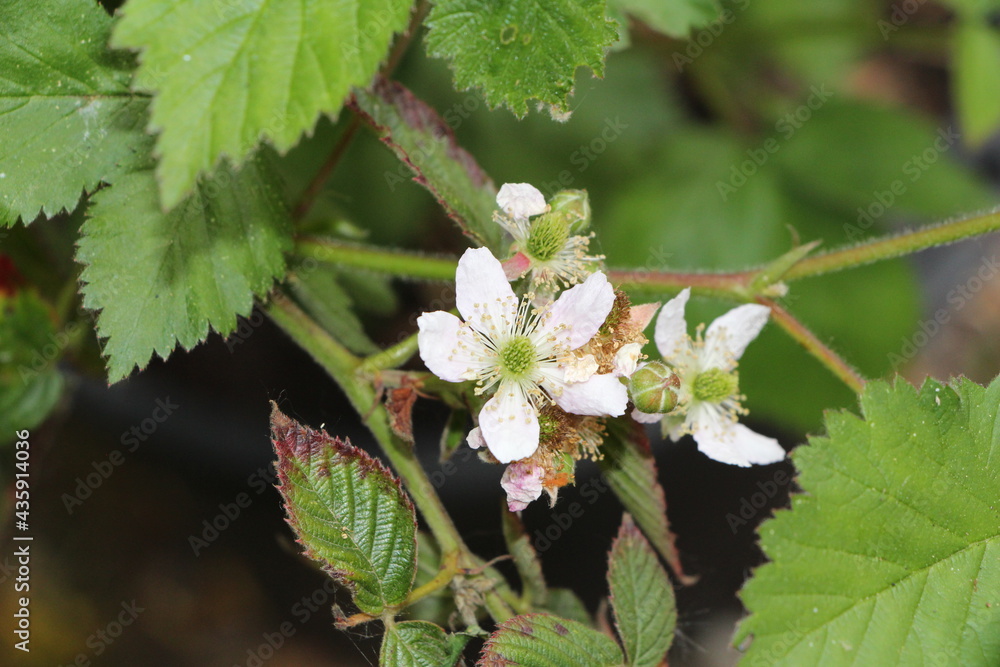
228,73
30,384
543,640
162,279
416,644
427,145
520,50
671,17
317,287
66,113
642,598
630,469
349,512
567,604
977,80
891,555
529,568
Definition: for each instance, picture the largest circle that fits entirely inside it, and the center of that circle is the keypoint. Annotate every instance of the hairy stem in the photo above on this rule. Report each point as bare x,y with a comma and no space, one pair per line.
388,261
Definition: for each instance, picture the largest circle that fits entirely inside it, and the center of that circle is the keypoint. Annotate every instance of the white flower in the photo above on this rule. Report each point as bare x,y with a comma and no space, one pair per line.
545,246
524,352
708,398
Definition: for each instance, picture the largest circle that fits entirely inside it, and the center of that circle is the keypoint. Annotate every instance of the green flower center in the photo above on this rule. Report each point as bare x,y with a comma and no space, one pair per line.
548,236
715,385
517,357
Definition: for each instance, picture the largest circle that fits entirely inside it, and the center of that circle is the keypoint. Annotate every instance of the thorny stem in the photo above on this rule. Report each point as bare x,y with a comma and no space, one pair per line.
801,334
343,367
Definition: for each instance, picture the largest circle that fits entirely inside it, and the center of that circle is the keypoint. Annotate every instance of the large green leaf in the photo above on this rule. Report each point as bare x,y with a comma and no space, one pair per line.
977,80
543,640
349,512
630,469
162,279
642,598
230,72
30,383
671,17
418,644
66,113
891,556
520,50
427,145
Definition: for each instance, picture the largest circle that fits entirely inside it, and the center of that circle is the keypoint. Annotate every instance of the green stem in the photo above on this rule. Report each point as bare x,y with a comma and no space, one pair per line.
897,245
722,285
318,182
392,262
801,334
343,367
391,357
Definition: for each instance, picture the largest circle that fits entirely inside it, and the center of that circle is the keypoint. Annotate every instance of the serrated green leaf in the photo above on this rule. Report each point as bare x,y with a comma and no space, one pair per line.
349,512
977,81
671,17
630,469
162,279
520,50
30,384
543,640
67,115
642,598
529,568
892,553
416,644
230,72
427,145
318,289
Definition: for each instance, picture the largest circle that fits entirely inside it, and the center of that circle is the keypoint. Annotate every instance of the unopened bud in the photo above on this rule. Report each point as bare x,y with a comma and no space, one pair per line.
574,207
653,388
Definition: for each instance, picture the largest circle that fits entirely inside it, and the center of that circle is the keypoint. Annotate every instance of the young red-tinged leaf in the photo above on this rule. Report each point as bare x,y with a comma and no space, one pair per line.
891,555
427,145
631,472
543,640
642,598
348,511
529,568
419,644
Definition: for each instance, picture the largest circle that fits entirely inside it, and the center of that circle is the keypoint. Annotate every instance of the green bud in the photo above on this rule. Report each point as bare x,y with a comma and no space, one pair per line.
547,237
574,206
653,388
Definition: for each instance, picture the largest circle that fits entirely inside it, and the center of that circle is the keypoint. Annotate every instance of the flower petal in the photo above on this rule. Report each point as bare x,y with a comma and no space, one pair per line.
729,442
627,359
671,334
475,439
645,417
579,312
445,346
523,484
521,200
509,424
482,293
600,396
728,336
640,316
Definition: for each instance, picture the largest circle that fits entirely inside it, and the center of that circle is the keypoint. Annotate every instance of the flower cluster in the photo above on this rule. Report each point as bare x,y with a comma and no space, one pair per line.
555,367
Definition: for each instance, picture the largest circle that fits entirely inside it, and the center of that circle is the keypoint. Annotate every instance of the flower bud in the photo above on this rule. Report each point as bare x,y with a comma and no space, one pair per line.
574,207
653,388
